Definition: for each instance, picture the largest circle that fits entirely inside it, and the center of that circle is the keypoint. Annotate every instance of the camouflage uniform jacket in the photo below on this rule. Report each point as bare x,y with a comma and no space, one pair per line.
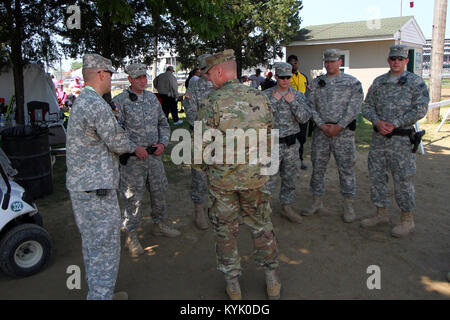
287,115
143,119
235,106
197,91
337,100
402,103
93,134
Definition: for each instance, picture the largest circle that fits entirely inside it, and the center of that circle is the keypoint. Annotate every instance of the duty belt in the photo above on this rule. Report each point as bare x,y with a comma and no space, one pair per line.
414,137
289,140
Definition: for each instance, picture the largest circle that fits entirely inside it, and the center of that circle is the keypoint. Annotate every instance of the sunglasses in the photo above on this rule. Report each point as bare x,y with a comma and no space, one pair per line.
284,77
397,58
110,72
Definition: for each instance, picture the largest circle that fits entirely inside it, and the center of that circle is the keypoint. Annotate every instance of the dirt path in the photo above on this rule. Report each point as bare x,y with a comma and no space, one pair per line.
323,258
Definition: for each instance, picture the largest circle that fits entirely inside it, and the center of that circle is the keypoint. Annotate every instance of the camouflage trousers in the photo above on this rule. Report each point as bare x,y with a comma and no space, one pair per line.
98,220
289,172
392,155
137,173
254,205
199,189
343,148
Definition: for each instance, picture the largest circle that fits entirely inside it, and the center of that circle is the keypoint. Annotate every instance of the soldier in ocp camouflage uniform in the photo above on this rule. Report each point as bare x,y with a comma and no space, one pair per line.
198,91
335,102
238,188
395,101
143,119
93,134
289,108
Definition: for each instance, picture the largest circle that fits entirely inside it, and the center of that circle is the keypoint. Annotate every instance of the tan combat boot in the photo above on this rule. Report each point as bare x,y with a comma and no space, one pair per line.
164,229
133,245
406,225
349,213
289,213
273,284
316,206
233,289
201,220
121,295
380,217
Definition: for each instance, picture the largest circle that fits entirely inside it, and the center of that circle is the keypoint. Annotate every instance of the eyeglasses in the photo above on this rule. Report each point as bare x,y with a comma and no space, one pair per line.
292,62
397,58
110,72
284,77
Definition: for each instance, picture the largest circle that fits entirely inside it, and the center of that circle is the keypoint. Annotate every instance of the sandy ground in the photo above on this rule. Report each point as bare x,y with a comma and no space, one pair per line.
323,258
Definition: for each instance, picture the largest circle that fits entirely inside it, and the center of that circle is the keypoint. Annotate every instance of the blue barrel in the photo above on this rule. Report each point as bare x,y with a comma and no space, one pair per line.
27,147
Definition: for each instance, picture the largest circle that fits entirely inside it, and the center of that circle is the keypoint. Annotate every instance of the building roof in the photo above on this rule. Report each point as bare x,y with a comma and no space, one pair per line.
365,30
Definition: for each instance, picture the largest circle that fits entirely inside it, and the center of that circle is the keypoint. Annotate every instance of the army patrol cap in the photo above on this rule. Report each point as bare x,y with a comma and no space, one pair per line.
201,61
398,50
136,70
96,61
219,58
331,55
283,69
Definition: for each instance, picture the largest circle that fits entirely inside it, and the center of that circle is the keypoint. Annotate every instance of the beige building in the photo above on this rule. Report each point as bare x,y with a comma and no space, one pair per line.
364,46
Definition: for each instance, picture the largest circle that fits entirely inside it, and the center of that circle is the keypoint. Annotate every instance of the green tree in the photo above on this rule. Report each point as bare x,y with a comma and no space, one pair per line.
26,29
76,65
133,29
256,37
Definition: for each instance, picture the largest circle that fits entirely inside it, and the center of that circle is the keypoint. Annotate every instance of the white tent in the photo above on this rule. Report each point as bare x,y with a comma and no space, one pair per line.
38,86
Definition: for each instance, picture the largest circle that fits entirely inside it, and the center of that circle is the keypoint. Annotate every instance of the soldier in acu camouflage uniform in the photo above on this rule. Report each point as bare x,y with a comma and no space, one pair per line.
289,108
335,102
198,91
238,188
93,138
395,101
143,119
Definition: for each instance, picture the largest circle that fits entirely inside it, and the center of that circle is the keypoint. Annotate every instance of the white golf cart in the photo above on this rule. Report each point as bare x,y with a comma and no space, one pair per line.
25,247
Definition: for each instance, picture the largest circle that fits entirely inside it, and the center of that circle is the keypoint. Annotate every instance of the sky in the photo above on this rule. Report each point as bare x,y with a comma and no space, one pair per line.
316,12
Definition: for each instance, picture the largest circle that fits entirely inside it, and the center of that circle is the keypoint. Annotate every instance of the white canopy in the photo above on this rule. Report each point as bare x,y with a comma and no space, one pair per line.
38,86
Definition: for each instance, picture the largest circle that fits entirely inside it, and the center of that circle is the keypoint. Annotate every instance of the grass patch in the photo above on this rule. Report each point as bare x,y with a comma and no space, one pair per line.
363,135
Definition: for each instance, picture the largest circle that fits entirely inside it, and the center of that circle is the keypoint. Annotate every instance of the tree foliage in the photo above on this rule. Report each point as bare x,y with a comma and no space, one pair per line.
26,29
256,37
132,29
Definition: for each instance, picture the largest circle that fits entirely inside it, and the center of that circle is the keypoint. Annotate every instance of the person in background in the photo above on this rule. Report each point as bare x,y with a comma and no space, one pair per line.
268,82
256,79
299,82
61,94
198,91
194,75
167,87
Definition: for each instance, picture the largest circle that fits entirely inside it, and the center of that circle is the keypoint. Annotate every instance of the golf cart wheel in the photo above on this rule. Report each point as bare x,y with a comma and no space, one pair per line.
24,250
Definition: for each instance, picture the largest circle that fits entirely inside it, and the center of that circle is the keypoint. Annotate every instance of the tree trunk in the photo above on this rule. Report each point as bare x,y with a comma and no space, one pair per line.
437,56
155,62
16,55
